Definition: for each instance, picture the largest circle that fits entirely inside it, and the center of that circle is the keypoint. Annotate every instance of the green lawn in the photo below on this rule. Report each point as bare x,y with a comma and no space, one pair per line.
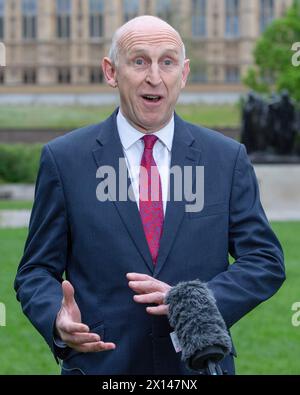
220,116
70,117
266,341
23,350
15,205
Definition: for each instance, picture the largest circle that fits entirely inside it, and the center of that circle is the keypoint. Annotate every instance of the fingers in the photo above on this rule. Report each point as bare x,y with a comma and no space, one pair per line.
155,297
158,310
85,341
138,277
73,327
80,338
150,291
148,286
145,282
93,347
68,293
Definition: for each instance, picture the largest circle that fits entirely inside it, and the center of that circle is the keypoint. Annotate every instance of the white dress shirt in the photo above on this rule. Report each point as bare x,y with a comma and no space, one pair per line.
133,148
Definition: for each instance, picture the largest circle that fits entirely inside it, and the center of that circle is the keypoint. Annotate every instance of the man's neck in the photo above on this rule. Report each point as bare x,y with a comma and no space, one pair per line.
140,128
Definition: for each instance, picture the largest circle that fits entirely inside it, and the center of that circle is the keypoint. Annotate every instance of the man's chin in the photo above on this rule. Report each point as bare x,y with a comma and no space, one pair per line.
153,124
152,127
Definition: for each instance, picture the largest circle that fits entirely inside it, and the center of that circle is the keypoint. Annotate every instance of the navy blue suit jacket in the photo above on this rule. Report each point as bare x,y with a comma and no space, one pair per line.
96,244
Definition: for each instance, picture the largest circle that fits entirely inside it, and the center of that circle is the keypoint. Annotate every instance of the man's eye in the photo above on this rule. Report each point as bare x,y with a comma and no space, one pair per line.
139,62
168,62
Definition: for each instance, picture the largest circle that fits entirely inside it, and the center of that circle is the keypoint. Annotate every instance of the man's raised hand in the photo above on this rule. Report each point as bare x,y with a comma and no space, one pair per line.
70,328
149,290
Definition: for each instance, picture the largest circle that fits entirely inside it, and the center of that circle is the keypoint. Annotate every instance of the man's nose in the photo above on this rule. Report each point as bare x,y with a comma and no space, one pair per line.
153,75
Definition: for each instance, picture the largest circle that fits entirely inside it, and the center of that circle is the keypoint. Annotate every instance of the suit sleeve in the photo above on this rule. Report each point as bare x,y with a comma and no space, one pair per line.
39,276
258,270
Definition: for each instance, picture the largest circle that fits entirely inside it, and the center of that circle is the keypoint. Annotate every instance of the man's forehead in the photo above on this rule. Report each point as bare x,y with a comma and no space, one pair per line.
138,49
163,36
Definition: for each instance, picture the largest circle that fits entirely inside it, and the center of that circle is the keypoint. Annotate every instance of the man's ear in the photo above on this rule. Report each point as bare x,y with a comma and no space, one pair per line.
109,72
185,73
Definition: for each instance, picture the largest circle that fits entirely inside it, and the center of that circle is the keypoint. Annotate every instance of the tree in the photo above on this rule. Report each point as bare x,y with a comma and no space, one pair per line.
273,54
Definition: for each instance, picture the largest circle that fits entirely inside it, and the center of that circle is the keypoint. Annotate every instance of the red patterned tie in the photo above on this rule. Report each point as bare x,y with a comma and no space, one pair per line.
151,206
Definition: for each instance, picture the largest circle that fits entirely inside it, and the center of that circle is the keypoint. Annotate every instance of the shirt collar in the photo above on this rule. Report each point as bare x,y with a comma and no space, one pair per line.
129,135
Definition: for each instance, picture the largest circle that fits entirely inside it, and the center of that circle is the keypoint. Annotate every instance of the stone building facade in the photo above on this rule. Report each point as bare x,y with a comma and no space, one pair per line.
53,42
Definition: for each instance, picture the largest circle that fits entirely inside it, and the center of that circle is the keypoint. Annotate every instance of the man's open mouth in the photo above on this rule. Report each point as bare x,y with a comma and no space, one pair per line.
152,98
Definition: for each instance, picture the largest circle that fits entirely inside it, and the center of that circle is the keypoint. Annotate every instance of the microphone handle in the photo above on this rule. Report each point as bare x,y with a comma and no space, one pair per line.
213,369
210,355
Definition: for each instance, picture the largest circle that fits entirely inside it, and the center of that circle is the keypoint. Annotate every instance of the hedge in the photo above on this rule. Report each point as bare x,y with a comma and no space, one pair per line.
19,162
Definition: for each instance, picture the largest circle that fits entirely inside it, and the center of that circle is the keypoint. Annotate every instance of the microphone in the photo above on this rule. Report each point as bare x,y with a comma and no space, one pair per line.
199,326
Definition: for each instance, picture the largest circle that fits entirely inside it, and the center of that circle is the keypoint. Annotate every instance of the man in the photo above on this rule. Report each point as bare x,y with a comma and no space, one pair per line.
121,256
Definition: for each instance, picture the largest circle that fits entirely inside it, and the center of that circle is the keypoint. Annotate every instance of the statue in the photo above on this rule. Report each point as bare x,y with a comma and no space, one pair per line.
270,127
284,127
253,127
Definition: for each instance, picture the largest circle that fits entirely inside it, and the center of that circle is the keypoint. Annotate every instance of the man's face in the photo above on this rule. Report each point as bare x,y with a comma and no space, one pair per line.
150,74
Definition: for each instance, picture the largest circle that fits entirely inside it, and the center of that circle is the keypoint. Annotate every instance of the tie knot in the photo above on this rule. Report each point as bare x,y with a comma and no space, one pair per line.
149,141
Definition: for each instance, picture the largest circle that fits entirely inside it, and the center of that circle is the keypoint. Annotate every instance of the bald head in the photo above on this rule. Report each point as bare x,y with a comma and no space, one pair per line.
146,27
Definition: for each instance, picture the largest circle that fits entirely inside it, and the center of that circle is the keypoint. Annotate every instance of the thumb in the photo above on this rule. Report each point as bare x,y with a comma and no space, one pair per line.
68,293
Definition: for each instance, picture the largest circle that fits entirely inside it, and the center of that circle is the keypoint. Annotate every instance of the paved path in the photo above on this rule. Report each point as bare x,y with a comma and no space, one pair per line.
14,218
17,191
99,99
279,190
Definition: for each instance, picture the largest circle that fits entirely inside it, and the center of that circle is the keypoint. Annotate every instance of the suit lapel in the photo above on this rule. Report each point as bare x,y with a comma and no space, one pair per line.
107,153
183,154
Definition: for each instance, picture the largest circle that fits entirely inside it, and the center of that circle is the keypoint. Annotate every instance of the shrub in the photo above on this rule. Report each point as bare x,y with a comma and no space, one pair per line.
19,162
